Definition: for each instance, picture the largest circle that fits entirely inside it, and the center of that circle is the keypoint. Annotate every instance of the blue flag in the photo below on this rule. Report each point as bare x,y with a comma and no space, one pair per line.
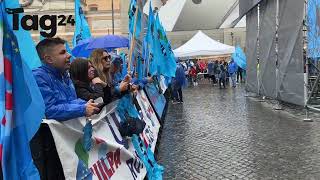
124,65
41,37
149,46
140,66
166,60
156,57
69,51
26,44
313,19
145,55
154,170
240,58
82,29
132,10
24,109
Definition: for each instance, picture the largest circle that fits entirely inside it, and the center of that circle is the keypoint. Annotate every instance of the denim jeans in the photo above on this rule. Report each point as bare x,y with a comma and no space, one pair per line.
233,79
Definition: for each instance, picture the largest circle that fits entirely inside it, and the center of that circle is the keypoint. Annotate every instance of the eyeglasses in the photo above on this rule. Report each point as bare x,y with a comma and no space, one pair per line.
107,58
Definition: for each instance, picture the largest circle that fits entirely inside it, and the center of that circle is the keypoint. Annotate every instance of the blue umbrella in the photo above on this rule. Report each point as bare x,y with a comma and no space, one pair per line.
80,50
109,42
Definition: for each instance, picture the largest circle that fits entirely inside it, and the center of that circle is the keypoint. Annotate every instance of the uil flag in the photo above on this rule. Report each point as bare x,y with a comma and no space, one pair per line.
166,60
22,107
26,44
82,29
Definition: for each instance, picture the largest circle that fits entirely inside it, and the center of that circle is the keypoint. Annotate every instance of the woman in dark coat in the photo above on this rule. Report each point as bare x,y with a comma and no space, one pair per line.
86,84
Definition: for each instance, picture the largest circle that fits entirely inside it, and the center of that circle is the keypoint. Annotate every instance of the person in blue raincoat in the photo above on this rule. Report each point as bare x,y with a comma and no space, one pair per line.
138,84
116,71
56,87
178,82
232,70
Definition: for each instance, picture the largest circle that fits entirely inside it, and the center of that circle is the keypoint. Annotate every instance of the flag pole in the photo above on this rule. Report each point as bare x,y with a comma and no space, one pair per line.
112,17
133,40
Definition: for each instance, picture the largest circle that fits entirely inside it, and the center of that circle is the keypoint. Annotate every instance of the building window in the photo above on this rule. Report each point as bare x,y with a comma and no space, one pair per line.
196,1
93,7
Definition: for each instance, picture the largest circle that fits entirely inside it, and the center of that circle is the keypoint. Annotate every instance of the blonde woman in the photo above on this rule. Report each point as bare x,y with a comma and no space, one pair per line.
101,61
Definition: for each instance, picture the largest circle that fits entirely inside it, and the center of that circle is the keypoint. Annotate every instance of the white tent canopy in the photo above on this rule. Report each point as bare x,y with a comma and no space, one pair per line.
202,45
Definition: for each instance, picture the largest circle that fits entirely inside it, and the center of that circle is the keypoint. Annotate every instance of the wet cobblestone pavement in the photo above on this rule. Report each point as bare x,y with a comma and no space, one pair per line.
221,134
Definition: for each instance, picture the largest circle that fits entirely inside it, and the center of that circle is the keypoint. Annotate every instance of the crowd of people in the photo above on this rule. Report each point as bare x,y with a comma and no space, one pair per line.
71,90
218,73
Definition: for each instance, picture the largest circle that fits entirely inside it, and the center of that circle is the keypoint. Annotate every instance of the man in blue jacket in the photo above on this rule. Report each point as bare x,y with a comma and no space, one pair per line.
55,84
232,70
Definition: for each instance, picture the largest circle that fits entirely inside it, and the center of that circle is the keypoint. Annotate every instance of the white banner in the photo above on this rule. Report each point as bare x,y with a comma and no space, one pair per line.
111,155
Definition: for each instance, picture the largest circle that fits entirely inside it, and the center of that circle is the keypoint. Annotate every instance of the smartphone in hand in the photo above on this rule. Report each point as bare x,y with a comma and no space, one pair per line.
99,101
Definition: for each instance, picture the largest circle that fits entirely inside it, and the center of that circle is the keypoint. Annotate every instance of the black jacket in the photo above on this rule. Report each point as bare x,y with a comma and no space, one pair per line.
87,91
